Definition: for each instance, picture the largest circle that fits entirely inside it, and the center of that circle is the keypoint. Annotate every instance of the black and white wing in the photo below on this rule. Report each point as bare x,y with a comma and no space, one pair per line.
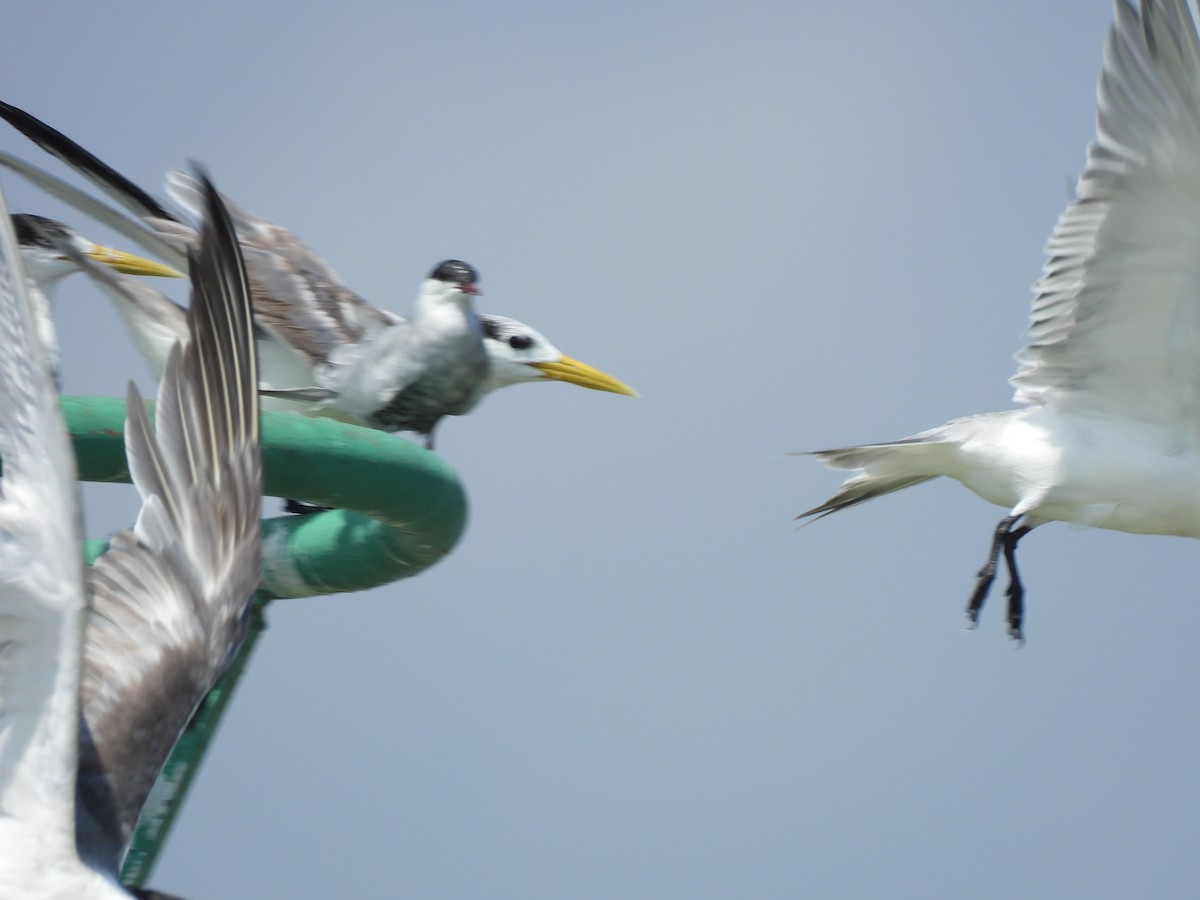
171,597
42,600
296,293
132,229
1115,327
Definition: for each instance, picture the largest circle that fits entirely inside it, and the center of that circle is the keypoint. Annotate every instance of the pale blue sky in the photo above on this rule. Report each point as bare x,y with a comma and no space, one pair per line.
790,226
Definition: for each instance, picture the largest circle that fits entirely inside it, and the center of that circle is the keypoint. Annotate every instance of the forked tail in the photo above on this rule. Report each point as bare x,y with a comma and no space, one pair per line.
882,468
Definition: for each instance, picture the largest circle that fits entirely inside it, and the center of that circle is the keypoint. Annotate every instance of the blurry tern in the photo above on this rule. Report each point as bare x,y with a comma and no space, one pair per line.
1110,373
101,672
323,349
46,264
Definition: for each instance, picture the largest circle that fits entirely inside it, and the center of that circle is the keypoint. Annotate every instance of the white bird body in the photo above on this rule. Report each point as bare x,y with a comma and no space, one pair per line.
442,341
1111,368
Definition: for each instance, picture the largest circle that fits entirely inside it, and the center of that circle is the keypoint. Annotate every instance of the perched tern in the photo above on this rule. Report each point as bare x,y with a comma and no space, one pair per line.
40,241
100,672
323,349
1110,373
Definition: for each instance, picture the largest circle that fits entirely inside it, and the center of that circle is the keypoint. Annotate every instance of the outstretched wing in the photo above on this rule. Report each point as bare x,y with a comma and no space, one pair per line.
296,293
172,596
1115,327
146,238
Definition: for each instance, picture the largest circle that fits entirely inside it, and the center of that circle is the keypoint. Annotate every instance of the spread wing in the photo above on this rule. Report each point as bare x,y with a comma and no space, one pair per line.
171,596
1115,326
296,293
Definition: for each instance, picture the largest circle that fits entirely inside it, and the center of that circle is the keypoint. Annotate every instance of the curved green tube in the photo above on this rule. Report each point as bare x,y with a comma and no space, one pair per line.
400,508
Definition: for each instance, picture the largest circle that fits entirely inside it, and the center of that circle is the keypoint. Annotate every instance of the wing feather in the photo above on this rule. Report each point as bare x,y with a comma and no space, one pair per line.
1115,325
171,597
159,241
295,291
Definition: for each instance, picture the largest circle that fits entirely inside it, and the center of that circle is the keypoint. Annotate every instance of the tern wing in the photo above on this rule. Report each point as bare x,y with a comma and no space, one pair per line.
146,238
171,597
297,294
1115,327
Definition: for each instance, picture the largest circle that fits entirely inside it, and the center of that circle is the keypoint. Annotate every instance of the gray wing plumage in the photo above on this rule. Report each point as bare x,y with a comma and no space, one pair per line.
155,322
136,232
171,596
296,293
1115,326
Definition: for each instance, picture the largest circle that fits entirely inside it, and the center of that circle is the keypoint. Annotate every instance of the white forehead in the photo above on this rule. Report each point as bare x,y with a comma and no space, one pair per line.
515,340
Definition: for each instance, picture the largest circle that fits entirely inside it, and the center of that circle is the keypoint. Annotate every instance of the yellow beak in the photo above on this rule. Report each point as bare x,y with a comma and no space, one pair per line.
575,372
130,264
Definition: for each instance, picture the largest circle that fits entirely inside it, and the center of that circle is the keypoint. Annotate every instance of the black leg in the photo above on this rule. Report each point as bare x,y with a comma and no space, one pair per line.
1016,591
986,575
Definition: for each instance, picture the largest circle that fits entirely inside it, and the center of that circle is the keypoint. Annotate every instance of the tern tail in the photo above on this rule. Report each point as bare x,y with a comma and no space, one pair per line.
882,468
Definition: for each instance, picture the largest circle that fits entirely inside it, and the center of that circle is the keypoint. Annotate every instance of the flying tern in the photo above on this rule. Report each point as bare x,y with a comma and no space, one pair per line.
1110,373
324,350
137,642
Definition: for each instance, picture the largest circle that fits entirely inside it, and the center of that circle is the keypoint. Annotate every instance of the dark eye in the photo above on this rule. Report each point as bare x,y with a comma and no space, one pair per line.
520,342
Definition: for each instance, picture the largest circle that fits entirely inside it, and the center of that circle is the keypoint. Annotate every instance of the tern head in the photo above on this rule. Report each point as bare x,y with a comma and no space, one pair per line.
455,275
46,263
520,354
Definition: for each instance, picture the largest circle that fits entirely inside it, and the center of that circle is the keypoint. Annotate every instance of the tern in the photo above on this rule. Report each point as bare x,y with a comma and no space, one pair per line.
46,265
324,350
1110,372
100,672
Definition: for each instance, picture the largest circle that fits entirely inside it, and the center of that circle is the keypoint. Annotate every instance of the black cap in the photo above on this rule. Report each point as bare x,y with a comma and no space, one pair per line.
455,271
38,231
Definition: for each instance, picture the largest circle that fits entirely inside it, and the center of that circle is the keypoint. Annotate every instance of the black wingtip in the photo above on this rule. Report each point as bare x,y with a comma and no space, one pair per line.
58,144
219,232
221,314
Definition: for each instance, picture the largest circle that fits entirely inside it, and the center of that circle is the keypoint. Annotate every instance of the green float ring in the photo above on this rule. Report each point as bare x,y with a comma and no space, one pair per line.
399,510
